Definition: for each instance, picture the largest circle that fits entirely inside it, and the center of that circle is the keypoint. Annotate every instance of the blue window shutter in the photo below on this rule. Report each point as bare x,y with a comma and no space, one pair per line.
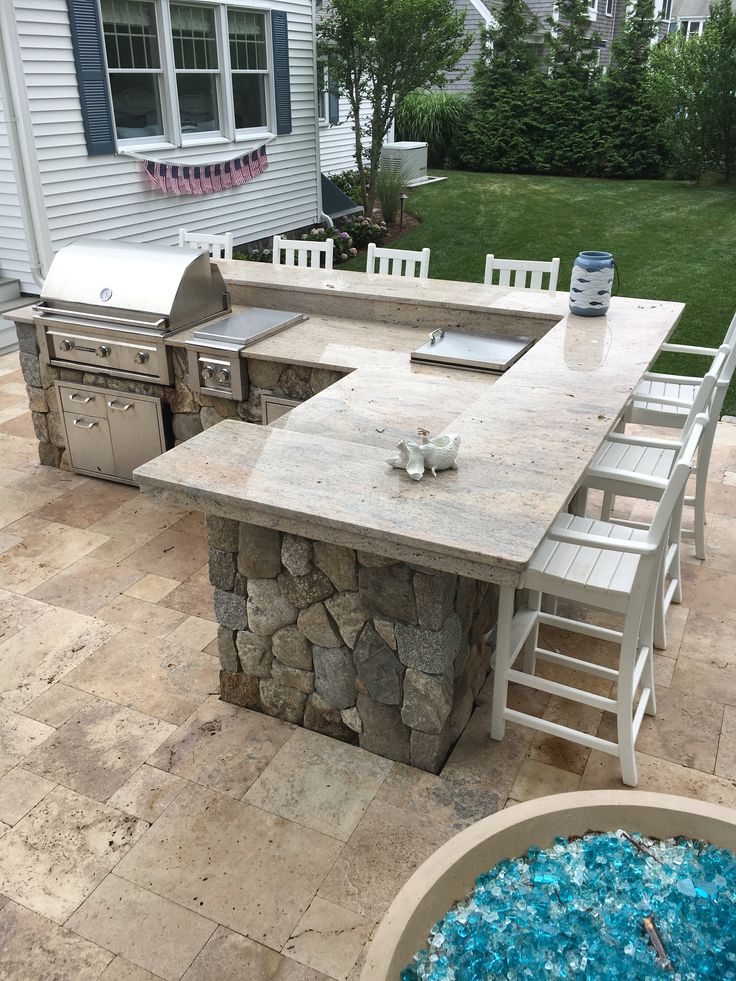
89,58
333,103
281,81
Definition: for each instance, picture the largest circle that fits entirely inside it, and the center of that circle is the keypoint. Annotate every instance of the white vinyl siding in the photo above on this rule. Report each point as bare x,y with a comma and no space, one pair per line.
337,142
14,263
109,196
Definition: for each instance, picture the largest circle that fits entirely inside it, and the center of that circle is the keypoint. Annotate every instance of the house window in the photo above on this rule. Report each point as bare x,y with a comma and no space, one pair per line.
609,8
322,93
197,69
208,75
134,63
691,27
249,67
593,10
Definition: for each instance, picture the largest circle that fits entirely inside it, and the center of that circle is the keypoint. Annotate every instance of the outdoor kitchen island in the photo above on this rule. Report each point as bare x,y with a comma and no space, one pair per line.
352,599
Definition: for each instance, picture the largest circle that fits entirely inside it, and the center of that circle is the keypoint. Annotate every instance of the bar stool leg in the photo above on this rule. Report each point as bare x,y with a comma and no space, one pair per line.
625,703
532,641
646,638
700,486
503,657
607,505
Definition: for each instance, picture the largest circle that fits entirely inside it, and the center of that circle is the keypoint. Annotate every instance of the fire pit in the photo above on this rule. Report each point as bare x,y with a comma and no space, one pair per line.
697,876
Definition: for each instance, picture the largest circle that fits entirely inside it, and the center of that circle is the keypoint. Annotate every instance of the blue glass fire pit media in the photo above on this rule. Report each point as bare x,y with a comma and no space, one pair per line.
610,906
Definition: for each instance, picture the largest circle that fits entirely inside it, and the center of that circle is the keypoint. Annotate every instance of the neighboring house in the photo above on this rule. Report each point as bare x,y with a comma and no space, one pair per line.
86,82
606,18
688,16
477,17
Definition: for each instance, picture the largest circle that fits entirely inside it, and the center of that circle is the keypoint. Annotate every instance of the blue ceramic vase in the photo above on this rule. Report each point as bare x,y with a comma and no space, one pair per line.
590,286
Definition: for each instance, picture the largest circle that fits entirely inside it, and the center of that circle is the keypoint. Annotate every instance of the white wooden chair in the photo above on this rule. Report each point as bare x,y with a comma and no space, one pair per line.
645,411
607,567
397,262
625,463
672,412
301,254
514,273
218,246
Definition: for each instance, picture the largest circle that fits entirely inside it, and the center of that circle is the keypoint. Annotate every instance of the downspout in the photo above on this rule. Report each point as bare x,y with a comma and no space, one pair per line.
22,151
324,218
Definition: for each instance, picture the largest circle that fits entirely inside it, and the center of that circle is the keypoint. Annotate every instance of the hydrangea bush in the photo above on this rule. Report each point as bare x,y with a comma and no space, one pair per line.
344,249
363,230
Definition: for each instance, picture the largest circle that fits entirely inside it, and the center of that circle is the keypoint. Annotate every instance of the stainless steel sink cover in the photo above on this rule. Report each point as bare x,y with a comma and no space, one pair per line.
245,327
492,352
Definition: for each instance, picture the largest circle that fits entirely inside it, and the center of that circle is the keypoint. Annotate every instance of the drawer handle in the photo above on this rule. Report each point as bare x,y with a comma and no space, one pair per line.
114,404
83,425
76,397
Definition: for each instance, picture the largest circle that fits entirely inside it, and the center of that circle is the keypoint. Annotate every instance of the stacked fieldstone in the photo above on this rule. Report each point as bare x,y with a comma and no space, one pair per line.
190,412
348,643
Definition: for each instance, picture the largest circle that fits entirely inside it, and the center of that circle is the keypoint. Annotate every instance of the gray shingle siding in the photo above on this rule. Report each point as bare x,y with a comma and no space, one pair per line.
460,80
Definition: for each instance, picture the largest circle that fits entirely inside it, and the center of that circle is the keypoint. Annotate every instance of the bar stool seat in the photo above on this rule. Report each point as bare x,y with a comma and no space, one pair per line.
605,567
564,569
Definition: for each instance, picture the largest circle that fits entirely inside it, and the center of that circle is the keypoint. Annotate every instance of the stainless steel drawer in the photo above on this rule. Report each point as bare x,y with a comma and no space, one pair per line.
136,432
89,444
75,399
113,432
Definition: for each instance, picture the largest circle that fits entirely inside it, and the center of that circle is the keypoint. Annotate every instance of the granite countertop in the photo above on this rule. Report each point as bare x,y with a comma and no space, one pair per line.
526,435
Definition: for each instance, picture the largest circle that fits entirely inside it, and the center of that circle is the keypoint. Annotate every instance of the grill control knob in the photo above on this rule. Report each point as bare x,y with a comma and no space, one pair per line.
207,373
103,351
223,376
66,345
141,357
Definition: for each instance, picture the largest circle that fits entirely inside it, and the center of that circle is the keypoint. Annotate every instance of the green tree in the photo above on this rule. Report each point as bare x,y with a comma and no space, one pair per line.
572,52
498,132
717,104
507,54
381,50
570,126
631,120
693,80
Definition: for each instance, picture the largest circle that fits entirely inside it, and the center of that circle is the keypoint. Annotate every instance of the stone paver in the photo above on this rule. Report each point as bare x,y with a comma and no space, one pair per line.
272,851
231,862
147,930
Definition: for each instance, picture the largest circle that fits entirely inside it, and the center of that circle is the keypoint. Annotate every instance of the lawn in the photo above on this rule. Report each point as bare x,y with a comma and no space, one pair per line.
671,240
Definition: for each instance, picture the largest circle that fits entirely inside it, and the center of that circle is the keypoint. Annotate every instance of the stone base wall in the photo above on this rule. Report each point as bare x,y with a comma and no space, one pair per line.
350,644
188,412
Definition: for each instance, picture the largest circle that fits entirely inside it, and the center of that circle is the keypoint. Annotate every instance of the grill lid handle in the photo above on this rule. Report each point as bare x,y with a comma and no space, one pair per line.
41,309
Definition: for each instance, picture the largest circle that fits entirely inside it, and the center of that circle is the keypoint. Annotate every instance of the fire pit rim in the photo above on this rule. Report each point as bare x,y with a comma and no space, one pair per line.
449,873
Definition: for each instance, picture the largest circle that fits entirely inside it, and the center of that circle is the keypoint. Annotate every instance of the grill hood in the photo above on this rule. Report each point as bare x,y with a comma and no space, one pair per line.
171,288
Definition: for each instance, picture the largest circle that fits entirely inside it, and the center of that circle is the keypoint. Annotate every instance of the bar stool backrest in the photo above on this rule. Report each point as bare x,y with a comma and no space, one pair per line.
398,262
514,272
677,482
219,246
301,254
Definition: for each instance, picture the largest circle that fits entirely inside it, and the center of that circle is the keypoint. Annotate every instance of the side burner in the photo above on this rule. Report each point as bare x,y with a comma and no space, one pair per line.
215,366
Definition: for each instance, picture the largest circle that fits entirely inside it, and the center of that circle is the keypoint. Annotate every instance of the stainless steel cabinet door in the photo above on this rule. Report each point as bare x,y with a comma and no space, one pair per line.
135,430
89,444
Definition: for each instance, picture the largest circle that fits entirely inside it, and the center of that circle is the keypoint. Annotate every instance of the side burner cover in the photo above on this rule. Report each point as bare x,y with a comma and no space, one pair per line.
475,352
245,327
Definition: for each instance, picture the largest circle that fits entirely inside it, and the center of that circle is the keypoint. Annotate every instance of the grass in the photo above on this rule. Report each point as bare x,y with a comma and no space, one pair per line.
671,240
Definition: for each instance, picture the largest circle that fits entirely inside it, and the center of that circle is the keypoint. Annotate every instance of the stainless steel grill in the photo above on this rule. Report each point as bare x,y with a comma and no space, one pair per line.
109,306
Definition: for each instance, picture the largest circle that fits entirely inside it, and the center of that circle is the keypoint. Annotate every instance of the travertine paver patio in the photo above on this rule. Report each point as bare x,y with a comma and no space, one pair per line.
148,830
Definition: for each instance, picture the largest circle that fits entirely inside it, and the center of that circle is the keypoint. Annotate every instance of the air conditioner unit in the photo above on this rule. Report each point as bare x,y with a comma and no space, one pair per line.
412,156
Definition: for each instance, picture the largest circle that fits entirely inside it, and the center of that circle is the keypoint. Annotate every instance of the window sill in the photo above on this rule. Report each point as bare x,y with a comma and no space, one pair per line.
255,139
259,137
132,146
